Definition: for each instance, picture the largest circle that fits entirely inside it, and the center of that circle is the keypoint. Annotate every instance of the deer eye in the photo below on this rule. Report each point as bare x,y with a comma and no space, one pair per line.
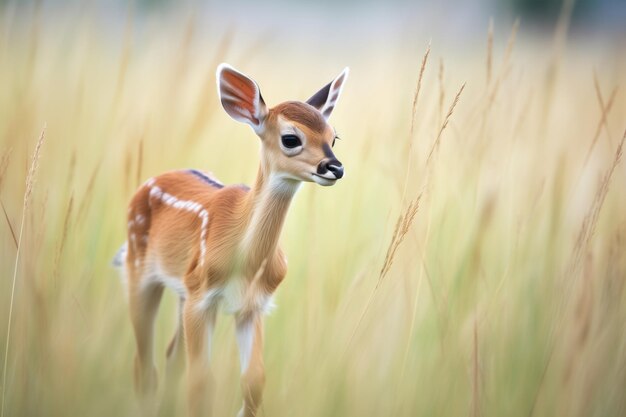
291,141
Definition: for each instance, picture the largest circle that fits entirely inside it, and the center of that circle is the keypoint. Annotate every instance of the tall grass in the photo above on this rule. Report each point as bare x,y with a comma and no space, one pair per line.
500,291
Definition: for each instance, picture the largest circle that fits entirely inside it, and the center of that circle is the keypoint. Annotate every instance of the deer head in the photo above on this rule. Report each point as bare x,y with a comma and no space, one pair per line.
296,139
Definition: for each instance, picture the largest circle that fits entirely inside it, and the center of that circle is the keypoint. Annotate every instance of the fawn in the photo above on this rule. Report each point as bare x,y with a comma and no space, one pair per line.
217,246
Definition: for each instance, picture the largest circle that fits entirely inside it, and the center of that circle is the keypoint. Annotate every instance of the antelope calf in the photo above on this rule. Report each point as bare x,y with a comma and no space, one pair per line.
216,246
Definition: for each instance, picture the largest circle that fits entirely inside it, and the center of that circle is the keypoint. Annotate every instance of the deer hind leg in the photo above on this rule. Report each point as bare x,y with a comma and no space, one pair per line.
175,365
198,324
250,342
144,304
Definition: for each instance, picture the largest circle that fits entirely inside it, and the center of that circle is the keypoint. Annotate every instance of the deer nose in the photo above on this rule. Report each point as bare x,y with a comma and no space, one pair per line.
332,165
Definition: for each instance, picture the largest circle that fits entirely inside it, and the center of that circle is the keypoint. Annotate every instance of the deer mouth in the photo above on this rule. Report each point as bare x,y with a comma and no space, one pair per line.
324,180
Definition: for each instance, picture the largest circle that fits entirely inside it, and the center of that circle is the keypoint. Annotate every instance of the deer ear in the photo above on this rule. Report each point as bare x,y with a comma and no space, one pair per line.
241,97
325,99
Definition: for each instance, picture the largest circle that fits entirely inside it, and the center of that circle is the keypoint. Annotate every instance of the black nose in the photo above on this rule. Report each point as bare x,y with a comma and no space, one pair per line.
336,169
331,165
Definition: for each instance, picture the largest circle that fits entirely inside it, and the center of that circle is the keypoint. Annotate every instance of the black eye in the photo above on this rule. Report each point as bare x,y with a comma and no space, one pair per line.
291,141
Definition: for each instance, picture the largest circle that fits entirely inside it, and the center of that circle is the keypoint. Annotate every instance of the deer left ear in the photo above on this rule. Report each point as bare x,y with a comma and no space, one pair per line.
325,99
241,97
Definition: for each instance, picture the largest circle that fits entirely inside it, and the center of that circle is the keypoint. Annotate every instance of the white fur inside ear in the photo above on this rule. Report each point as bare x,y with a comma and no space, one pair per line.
241,97
335,91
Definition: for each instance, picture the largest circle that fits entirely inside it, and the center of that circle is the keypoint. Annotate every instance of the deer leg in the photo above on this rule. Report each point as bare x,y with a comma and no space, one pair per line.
250,342
144,304
175,365
198,328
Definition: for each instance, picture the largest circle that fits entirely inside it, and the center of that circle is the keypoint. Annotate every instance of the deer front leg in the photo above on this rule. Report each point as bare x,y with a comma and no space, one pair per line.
198,328
250,342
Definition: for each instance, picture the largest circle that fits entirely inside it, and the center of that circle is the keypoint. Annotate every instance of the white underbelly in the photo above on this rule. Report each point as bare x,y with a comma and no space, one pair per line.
232,297
235,296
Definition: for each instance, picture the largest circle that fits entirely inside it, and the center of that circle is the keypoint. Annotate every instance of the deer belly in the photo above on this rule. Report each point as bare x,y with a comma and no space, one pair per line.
235,296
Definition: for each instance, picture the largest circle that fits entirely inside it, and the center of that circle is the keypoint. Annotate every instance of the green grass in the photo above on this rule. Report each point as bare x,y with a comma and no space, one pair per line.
490,307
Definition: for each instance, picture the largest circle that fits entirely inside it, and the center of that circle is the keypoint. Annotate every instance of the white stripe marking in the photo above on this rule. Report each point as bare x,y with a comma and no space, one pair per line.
186,205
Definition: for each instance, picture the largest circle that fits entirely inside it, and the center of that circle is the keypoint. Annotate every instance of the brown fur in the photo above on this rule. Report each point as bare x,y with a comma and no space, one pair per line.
303,114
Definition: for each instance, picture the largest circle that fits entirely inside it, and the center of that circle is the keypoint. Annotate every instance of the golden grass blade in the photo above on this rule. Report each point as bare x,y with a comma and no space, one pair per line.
442,91
603,119
475,373
413,114
572,272
4,164
6,216
206,102
30,180
590,221
82,209
445,124
66,223
505,66
489,51
605,109
139,162
418,89
403,225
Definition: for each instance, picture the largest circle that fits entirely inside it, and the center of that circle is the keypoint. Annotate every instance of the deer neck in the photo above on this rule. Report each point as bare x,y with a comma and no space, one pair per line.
266,206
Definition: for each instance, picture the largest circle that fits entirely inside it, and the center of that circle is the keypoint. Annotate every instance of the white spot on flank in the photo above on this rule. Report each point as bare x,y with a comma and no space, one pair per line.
139,219
186,205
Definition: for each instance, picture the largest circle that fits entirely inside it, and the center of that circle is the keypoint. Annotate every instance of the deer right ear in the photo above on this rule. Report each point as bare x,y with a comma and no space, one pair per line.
326,99
241,97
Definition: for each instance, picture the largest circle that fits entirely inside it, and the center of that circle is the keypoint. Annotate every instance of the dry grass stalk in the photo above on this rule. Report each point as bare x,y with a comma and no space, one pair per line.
403,225
603,120
90,187
139,161
413,114
590,221
30,181
475,373
4,164
489,50
605,110
34,164
506,64
125,58
442,91
559,38
66,224
505,67
6,216
508,51
206,102
444,124
418,88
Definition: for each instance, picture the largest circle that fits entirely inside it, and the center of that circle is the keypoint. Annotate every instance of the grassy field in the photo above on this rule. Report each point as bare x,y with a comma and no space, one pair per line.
501,293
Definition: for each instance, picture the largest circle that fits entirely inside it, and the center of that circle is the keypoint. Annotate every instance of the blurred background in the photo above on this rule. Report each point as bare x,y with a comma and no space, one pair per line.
478,259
